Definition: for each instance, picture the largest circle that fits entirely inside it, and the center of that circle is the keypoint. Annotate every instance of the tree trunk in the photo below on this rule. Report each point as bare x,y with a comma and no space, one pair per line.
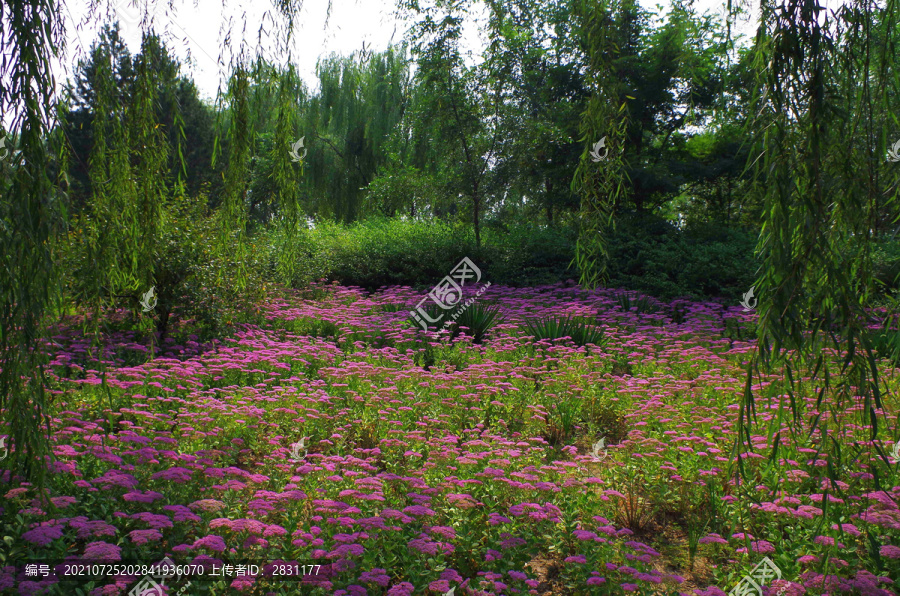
162,325
548,188
476,209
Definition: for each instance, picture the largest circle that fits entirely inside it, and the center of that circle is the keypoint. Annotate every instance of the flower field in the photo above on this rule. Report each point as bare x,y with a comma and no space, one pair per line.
434,464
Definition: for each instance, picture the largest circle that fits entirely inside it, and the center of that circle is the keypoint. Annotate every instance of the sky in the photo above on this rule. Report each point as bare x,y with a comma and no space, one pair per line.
196,30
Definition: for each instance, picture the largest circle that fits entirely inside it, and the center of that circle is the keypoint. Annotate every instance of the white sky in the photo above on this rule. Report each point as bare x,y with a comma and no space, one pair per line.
197,26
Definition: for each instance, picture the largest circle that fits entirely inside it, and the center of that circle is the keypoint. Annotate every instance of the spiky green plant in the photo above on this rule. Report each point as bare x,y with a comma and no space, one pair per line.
642,304
555,328
478,319
393,307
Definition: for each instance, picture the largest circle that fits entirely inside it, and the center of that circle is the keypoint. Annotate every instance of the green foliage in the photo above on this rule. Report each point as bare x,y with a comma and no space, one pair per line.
604,116
393,307
348,124
525,254
819,131
641,304
651,256
195,281
554,328
605,418
886,266
647,255
191,278
477,318
233,211
31,216
381,252
184,120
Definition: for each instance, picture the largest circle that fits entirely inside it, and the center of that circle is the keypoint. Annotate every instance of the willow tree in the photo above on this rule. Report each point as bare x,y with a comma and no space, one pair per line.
286,173
361,101
605,27
825,81
31,215
32,36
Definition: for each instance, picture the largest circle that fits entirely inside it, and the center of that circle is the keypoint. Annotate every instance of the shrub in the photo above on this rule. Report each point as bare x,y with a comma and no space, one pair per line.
554,328
478,319
650,255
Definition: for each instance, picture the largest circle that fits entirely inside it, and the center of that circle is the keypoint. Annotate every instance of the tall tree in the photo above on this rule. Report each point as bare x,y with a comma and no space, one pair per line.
464,105
361,100
31,213
177,108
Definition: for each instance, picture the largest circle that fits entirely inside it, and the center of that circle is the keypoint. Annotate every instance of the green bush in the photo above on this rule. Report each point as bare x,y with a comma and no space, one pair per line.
650,255
384,252
192,282
886,265
647,254
380,252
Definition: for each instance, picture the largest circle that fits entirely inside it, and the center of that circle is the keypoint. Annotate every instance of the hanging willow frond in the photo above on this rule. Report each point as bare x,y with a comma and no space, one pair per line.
601,185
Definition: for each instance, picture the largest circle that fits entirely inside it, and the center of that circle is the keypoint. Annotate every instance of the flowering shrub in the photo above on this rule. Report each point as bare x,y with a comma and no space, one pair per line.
420,480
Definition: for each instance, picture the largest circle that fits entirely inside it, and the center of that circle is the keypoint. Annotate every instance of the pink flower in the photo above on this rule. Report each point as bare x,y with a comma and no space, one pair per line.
102,551
140,537
401,589
762,546
43,535
211,542
177,475
442,586
208,505
889,551
375,576
142,496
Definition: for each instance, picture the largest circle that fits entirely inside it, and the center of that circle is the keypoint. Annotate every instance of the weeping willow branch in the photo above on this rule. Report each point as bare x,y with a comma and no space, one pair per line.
602,184
287,174
821,178
31,215
233,213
